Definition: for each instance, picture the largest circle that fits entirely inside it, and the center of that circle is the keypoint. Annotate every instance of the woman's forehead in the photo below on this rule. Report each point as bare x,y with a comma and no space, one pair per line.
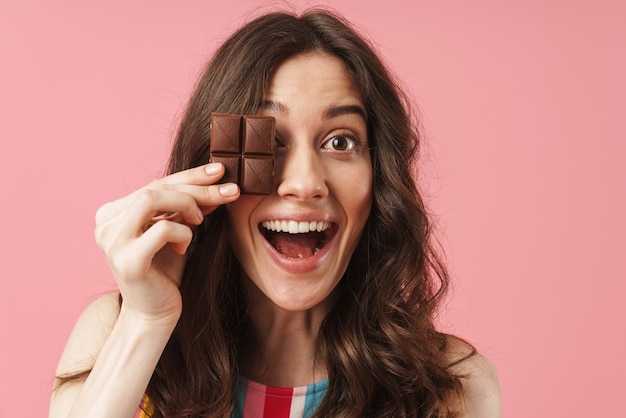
316,76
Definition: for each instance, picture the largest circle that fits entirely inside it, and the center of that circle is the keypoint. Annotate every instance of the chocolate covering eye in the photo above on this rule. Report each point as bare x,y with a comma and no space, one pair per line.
245,145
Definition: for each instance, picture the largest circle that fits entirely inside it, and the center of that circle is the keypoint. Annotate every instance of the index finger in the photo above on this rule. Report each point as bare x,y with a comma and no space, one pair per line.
202,175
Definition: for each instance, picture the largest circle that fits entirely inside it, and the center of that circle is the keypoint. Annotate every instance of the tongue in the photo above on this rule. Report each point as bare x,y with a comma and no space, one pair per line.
296,245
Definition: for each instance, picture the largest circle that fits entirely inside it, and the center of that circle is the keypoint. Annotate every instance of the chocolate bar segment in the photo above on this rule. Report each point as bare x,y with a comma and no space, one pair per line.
257,175
225,133
245,145
258,135
231,167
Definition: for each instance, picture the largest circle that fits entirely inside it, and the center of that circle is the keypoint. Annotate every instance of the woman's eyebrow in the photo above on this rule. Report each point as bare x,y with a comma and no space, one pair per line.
333,112
330,113
274,106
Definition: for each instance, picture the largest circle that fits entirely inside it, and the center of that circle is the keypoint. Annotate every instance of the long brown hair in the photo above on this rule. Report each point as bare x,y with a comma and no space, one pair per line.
383,352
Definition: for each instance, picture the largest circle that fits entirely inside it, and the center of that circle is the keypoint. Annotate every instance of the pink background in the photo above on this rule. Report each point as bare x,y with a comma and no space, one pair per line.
524,109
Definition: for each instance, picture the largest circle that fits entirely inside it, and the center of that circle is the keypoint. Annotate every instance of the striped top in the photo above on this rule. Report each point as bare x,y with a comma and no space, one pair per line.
255,400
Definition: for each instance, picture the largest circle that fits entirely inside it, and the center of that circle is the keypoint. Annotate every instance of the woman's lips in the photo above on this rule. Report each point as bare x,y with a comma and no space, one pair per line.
298,239
297,246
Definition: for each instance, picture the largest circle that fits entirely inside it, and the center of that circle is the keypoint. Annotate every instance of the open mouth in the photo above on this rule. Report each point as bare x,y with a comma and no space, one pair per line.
295,239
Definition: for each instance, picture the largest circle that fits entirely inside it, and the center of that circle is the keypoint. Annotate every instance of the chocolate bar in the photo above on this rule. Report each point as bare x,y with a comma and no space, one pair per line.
245,145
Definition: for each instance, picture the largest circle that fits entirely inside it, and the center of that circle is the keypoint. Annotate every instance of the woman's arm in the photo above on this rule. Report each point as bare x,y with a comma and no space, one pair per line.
127,349
144,237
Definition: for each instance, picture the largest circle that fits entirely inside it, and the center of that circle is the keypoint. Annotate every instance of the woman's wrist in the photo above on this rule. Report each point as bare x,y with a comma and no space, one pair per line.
149,324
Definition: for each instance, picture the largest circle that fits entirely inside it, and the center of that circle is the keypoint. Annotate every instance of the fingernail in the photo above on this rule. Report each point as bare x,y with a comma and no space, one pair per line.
200,215
229,189
212,168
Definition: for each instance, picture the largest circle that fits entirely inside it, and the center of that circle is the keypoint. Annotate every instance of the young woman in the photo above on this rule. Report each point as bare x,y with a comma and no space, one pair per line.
222,312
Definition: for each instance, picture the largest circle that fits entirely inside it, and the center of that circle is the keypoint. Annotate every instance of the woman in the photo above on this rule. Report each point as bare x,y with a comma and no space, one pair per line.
221,312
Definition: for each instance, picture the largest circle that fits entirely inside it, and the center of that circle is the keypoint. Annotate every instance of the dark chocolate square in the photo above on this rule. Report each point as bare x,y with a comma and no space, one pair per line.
225,133
257,174
231,167
258,135
245,145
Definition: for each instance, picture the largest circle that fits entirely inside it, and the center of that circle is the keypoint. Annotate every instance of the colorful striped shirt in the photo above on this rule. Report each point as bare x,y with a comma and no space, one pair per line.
255,400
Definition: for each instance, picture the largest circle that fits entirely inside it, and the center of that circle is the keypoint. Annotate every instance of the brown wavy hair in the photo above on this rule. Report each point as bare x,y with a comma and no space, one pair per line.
385,357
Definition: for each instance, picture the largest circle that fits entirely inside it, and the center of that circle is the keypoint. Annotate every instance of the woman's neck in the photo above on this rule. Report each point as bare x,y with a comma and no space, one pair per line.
282,350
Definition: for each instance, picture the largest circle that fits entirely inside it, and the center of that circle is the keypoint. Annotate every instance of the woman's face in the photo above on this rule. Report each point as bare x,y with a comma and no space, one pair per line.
294,245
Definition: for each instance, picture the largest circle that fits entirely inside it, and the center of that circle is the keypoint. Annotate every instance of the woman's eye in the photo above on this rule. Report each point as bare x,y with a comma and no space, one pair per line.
341,143
278,144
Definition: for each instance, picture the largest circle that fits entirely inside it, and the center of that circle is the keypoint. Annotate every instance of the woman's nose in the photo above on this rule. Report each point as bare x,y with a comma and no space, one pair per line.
301,174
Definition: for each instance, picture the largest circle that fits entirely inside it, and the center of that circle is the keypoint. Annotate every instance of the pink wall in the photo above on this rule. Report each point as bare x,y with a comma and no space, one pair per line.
524,109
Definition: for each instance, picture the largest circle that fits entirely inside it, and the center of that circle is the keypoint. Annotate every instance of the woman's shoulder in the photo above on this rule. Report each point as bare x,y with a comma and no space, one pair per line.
90,332
481,389
101,313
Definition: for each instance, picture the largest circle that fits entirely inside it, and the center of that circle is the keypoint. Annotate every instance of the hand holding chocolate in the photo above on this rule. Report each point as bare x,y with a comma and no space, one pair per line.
245,145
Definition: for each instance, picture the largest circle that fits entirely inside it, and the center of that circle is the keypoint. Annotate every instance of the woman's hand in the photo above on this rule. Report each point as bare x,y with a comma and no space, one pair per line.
145,236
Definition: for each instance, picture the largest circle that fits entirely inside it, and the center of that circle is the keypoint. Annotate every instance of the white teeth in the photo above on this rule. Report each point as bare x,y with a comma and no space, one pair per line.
295,227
